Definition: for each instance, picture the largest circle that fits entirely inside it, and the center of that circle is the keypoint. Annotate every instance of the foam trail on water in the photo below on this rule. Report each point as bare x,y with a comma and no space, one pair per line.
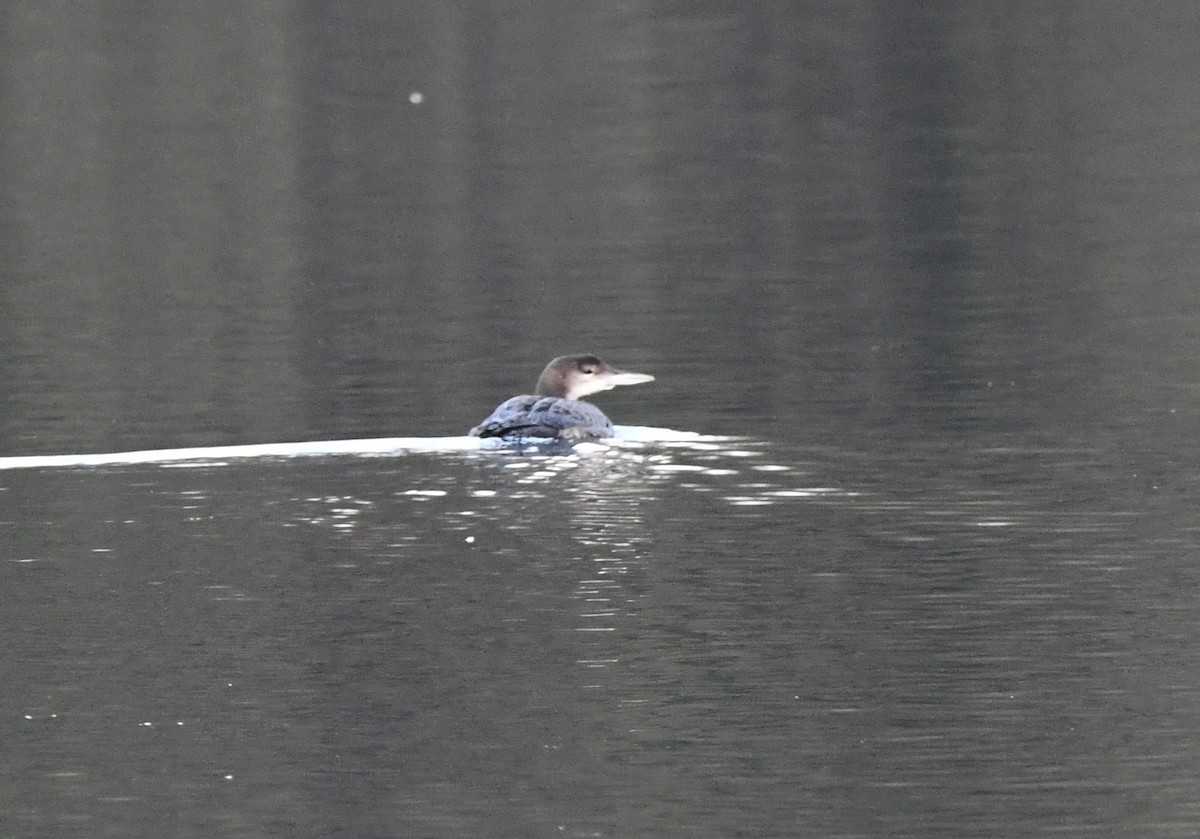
376,446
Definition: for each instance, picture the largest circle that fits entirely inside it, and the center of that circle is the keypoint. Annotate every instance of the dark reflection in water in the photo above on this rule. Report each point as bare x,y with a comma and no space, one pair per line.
790,215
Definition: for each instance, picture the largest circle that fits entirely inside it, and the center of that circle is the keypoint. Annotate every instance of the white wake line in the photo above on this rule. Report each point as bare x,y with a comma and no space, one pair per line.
377,446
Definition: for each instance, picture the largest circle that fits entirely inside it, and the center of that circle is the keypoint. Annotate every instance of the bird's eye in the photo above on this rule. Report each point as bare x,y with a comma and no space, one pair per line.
589,370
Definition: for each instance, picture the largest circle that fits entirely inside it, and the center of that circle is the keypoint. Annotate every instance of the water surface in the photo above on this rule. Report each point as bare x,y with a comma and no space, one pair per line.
935,266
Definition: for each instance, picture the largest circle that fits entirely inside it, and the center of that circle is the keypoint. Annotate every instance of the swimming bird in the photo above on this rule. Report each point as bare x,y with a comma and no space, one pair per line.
555,409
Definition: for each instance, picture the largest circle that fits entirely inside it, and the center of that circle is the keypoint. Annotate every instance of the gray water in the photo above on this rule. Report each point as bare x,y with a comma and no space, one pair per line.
933,267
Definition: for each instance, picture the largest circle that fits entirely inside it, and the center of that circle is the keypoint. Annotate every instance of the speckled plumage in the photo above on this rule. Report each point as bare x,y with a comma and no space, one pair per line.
545,416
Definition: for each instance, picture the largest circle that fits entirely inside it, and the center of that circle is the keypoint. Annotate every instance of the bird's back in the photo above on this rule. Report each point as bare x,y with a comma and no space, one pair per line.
545,416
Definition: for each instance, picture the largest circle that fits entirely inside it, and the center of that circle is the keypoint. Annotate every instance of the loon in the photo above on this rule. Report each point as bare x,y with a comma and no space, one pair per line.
554,408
